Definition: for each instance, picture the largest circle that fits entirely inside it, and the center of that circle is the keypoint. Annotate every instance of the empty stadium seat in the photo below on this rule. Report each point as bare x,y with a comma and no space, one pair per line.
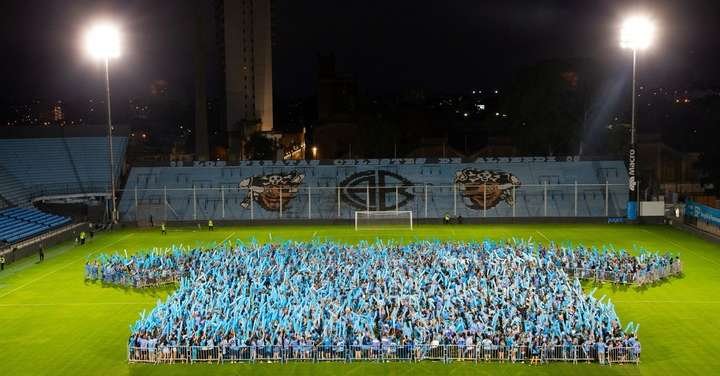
197,193
21,223
31,167
12,191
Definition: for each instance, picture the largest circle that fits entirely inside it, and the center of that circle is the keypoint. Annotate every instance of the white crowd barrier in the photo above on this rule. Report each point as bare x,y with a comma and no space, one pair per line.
405,353
597,275
137,280
637,278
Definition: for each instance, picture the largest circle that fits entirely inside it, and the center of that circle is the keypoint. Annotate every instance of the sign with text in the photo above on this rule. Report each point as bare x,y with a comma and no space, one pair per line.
702,212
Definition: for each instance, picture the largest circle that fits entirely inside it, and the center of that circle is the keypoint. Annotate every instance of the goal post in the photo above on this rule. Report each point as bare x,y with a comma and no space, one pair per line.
383,220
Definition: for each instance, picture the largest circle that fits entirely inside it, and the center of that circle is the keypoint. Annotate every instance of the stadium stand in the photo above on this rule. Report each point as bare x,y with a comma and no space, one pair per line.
429,188
12,192
31,167
21,223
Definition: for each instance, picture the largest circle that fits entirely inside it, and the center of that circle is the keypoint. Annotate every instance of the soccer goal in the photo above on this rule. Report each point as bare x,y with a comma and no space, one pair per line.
383,220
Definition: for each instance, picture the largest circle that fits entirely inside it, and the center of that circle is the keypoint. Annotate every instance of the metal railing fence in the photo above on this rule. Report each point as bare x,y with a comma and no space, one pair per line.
640,277
149,278
157,354
203,202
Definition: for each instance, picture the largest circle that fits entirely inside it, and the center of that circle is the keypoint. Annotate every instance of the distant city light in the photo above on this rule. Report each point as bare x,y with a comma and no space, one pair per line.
103,41
637,33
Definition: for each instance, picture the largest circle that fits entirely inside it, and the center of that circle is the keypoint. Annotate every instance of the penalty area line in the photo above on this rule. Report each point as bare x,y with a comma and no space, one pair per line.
543,235
64,266
227,237
681,247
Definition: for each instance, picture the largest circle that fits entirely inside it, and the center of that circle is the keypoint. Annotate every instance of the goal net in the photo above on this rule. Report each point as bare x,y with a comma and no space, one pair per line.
383,220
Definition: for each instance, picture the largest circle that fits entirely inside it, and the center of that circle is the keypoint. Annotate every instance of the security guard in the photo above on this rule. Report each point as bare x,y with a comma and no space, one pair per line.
211,226
2,263
82,237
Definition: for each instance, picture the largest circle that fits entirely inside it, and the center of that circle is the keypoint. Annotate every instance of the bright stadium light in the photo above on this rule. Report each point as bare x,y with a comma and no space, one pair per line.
637,33
103,42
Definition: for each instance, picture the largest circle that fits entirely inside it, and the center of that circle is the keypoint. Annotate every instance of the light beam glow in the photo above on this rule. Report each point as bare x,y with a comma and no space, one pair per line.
637,33
103,41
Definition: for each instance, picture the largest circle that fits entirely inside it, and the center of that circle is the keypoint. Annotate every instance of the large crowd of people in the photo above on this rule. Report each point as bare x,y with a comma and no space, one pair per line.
616,266
140,270
375,295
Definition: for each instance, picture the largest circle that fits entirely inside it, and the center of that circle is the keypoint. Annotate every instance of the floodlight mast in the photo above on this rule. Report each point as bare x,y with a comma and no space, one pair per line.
637,33
102,42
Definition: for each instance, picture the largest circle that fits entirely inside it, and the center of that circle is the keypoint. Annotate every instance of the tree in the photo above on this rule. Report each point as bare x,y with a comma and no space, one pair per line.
259,147
547,105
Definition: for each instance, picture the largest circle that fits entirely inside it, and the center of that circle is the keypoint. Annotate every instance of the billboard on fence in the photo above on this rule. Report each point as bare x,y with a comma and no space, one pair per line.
703,213
652,208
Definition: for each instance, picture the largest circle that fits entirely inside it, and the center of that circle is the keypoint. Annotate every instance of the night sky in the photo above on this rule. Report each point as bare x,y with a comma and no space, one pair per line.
391,46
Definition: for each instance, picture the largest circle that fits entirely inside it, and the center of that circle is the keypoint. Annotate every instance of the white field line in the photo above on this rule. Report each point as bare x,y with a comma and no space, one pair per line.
29,261
683,248
543,235
64,266
227,237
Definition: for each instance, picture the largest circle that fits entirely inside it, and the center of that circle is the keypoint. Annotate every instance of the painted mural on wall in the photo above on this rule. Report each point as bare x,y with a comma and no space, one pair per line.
266,190
382,195
423,183
484,189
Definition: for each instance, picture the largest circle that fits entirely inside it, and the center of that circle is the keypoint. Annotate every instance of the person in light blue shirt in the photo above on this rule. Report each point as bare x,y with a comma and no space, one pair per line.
601,349
321,291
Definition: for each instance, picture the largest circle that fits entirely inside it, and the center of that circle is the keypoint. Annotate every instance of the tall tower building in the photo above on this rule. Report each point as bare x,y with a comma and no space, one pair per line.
202,152
57,112
247,30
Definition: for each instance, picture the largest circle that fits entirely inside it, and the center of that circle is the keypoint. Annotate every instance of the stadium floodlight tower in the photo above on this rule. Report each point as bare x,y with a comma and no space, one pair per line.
103,42
637,33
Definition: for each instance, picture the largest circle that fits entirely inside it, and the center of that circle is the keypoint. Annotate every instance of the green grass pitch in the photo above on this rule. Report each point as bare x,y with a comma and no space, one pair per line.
53,323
